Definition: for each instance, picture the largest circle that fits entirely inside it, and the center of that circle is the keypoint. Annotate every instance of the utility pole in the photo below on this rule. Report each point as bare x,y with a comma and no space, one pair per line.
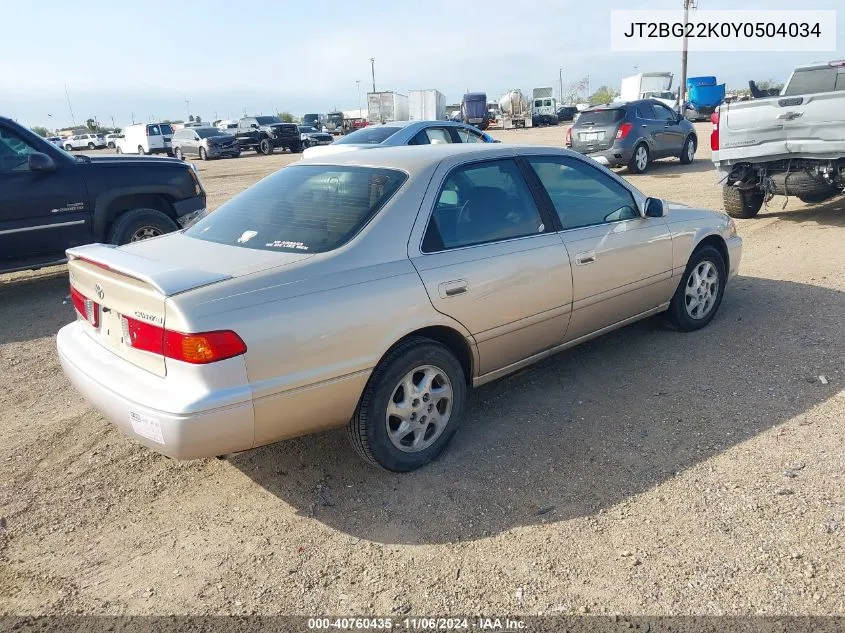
682,88
358,84
373,69
188,108
561,87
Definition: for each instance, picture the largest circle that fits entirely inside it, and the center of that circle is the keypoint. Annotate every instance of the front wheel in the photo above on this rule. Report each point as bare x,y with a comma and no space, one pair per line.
141,151
111,145
90,146
700,292
411,406
203,154
742,203
688,151
265,147
69,147
118,150
296,148
639,161
140,224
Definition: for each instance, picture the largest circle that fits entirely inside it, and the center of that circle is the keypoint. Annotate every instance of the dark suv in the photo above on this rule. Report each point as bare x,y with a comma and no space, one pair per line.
265,133
632,134
51,201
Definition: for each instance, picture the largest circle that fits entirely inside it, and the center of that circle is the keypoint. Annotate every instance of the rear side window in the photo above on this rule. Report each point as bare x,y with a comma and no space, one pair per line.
601,117
645,111
815,80
583,195
301,209
153,130
480,203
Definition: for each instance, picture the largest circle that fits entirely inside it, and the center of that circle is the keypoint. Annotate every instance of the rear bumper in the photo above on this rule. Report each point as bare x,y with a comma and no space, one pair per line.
612,157
734,255
105,380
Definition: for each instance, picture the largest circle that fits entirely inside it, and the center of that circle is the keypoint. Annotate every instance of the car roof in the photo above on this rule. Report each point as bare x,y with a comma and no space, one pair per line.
417,158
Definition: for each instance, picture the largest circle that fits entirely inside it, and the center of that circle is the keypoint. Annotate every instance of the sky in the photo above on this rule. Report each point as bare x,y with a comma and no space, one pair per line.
142,60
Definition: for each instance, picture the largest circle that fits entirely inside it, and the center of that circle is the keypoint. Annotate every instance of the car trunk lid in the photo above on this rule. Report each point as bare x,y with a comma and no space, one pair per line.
595,130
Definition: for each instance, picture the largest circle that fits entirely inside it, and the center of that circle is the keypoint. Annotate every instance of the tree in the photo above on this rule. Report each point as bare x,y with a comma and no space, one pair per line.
287,117
602,95
575,91
41,131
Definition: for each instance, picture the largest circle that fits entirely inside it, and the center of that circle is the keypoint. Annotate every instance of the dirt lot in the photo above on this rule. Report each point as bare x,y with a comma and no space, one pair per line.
646,472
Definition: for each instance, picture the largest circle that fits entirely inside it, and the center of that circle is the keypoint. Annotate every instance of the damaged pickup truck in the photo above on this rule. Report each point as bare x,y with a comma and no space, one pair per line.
791,144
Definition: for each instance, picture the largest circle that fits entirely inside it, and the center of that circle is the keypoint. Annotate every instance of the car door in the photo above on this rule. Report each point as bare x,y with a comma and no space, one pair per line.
672,133
489,259
41,212
621,262
650,128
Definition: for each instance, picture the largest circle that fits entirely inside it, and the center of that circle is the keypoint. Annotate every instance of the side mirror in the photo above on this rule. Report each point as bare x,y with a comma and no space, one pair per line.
653,208
41,162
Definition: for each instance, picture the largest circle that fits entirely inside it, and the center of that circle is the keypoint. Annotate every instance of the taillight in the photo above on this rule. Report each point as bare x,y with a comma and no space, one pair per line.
624,130
714,135
568,136
195,348
87,308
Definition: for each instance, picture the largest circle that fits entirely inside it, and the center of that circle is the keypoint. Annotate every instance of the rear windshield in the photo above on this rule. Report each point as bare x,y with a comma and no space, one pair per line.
812,81
600,117
369,135
301,209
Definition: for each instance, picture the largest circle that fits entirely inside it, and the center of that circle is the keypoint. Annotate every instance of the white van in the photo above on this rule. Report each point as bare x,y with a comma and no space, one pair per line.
145,138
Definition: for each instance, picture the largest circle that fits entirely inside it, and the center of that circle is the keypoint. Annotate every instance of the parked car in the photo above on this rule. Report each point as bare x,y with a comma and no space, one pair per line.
632,134
205,142
84,141
145,138
371,289
790,144
111,140
403,133
311,136
566,113
51,201
58,141
266,133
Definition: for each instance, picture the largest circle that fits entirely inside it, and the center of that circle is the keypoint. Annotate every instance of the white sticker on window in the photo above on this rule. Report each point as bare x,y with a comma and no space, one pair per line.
286,244
246,236
541,228
145,426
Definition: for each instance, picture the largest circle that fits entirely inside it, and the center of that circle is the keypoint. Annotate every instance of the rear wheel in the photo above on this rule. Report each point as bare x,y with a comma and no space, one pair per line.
178,153
411,406
140,224
118,150
69,147
639,161
90,146
111,145
742,203
141,151
688,151
265,147
700,292
203,154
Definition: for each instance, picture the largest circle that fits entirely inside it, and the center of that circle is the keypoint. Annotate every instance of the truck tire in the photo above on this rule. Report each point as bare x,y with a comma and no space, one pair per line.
742,203
139,224
265,147
799,183
141,151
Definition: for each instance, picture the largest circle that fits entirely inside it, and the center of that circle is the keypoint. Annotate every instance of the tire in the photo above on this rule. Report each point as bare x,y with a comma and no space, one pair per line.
118,150
178,153
742,203
203,154
69,147
639,159
814,198
377,436
688,151
141,151
265,147
296,148
90,146
111,145
700,292
131,226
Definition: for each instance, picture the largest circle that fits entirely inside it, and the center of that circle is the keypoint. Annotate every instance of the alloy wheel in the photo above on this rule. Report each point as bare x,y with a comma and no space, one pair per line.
641,158
701,290
419,409
144,233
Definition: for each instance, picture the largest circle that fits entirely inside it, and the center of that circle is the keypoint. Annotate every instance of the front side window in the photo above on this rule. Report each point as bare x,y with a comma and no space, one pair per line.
301,209
582,195
14,152
480,203
468,136
662,112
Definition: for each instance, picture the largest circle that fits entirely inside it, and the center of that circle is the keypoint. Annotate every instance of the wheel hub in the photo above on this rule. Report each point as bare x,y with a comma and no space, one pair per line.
419,409
701,290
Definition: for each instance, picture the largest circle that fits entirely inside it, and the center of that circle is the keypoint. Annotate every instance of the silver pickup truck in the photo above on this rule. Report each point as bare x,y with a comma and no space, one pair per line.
791,144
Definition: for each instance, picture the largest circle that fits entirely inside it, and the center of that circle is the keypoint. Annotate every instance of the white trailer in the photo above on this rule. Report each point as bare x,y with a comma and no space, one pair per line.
386,106
426,105
656,85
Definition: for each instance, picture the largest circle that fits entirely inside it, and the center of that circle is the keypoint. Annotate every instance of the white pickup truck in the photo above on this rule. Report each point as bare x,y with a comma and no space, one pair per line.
792,144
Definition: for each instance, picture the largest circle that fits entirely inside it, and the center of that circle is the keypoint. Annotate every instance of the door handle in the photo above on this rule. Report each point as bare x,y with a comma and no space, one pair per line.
587,257
452,288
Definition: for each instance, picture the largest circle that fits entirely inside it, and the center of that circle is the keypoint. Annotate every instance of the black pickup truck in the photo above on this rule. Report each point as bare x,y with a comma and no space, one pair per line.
51,200
271,133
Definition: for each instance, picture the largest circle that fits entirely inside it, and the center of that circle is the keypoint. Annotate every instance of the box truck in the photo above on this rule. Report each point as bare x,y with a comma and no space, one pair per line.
426,105
544,108
386,106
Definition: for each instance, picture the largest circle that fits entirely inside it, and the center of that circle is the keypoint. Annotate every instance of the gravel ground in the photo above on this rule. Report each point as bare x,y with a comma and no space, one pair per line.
645,472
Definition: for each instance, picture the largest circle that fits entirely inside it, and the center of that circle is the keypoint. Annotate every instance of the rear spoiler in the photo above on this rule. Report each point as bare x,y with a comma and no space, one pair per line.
165,278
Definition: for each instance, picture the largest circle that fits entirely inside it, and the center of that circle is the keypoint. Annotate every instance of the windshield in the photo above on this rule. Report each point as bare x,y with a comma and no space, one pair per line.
301,209
307,128
205,132
267,120
369,135
600,117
